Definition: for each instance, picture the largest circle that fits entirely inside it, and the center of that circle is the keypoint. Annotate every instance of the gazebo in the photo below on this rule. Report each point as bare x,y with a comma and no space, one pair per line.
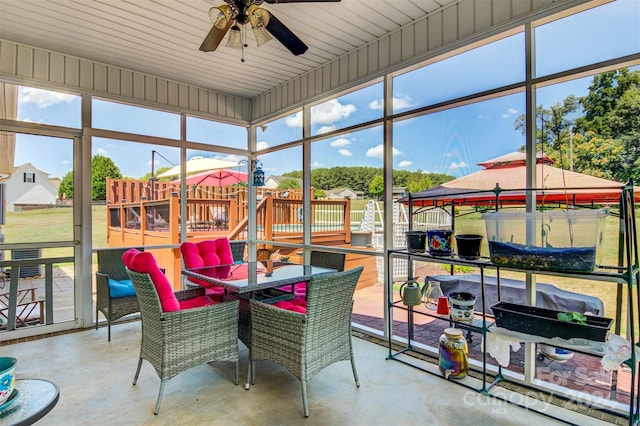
502,182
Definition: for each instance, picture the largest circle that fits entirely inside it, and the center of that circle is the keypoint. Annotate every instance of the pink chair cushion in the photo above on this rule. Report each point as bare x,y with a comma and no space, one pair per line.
215,293
299,301
144,262
196,302
300,289
289,306
207,253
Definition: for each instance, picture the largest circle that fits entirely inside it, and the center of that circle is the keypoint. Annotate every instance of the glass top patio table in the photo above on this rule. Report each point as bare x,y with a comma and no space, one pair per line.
248,277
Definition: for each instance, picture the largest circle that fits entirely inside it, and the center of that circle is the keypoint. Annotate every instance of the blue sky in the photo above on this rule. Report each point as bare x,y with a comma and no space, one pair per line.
451,142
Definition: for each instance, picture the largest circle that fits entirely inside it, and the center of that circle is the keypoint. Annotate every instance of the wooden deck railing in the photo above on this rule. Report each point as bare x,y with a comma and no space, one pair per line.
158,222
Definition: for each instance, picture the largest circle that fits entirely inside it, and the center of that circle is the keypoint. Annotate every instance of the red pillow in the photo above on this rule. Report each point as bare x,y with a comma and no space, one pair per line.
144,262
289,306
206,253
196,302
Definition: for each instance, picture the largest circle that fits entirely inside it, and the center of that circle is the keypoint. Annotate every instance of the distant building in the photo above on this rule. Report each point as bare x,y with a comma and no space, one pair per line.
399,192
273,181
342,193
27,187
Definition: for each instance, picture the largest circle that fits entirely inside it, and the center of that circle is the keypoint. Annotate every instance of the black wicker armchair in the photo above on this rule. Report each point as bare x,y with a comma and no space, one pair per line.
307,343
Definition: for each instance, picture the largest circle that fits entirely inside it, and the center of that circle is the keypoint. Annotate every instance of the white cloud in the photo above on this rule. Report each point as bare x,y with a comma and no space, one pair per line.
378,152
340,143
262,145
457,166
400,101
376,104
316,165
43,98
326,113
509,113
345,152
483,117
326,129
294,120
102,151
405,163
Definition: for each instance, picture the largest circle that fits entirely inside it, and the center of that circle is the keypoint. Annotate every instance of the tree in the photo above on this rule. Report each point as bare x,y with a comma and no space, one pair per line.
66,186
553,128
376,187
290,183
419,182
161,170
101,168
604,139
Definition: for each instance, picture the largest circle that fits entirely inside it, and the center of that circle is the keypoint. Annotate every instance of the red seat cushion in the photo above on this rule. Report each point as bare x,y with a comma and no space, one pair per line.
300,289
207,253
144,262
196,302
290,306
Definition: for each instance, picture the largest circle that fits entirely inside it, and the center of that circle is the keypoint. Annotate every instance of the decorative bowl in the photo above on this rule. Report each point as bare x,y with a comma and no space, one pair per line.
7,377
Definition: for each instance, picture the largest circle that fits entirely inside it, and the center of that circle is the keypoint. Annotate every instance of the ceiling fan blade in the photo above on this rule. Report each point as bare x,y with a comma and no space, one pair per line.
301,1
221,22
285,36
215,36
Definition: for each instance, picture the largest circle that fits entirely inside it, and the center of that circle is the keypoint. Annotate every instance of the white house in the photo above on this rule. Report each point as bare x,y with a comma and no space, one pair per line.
342,193
273,181
28,187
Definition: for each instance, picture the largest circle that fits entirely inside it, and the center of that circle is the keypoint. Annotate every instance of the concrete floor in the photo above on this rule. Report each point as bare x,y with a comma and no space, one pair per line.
94,377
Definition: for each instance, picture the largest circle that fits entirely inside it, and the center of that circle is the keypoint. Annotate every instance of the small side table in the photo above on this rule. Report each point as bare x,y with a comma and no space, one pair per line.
37,397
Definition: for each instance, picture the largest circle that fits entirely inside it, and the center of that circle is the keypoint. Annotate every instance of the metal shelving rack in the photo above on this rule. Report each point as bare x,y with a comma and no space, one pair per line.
627,273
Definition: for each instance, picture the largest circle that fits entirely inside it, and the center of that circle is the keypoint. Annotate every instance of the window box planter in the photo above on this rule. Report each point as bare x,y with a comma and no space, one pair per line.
545,323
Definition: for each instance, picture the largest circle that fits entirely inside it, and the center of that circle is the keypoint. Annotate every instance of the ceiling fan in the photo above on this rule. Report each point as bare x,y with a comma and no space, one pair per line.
228,17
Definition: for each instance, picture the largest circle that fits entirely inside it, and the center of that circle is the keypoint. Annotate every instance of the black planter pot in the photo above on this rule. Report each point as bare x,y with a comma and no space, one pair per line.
469,246
416,241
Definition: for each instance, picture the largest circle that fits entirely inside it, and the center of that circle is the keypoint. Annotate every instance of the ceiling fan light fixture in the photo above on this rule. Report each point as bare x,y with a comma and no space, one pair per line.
261,35
235,37
220,15
258,18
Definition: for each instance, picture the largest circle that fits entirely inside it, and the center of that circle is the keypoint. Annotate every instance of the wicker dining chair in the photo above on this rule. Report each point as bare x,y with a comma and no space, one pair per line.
237,250
110,266
328,259
179,340
324,259
307,343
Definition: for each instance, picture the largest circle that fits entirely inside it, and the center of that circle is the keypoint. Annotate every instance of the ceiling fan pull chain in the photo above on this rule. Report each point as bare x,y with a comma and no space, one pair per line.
244,42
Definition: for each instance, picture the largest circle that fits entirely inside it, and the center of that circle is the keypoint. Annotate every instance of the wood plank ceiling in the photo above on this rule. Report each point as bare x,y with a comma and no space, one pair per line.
161,37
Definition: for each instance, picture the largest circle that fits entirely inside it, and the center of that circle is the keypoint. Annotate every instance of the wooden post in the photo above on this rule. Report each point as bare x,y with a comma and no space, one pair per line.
347,220
268,217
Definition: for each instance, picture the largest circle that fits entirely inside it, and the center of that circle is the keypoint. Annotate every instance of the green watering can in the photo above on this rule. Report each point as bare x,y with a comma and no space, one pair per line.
411,293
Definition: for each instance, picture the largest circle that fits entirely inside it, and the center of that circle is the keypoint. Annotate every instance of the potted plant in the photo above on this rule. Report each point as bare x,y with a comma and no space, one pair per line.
462,305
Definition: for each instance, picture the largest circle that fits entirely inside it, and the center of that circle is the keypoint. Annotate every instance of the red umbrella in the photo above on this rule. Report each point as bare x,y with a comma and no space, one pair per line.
221,177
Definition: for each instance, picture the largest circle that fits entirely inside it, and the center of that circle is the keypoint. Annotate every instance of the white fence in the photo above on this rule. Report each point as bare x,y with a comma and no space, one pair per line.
431,219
